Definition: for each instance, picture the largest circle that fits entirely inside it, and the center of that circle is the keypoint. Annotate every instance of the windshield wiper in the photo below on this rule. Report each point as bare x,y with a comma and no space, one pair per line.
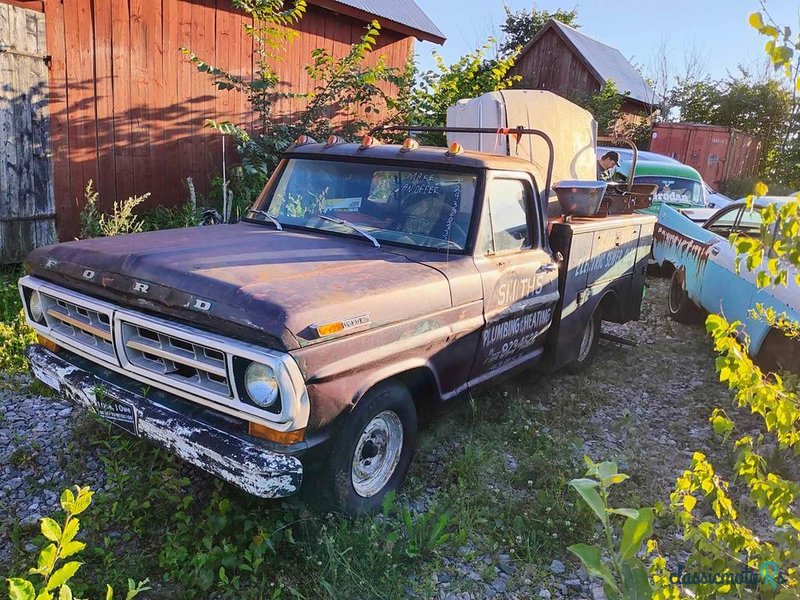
351,226
272,219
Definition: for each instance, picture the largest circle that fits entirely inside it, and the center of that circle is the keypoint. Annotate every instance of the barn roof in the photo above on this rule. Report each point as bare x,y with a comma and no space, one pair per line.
399,15
605,62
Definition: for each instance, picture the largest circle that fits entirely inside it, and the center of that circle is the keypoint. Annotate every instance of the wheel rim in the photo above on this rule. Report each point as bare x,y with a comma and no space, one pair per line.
587,341
675,294
377,453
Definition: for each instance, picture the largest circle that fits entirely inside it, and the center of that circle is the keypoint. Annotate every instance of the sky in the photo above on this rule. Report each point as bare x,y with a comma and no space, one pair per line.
716,29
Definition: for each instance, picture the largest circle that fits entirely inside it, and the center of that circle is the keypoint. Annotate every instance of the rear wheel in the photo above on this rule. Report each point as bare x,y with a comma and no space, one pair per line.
779,353
588,345
680,306
373,452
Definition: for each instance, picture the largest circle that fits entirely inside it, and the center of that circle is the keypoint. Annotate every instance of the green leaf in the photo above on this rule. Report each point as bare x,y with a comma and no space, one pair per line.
586,488
20,589
631,513
592,561
634,532
65,593
71,548
70,531
51,530
62,575
613,479
635,583
83,501
67,500
47,558
109,592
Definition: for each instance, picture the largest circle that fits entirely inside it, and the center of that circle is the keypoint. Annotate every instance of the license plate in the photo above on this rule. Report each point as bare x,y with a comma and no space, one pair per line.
117,412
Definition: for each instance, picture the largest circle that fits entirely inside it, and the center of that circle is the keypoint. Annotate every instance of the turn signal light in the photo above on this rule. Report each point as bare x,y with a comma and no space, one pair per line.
302,140
280,437
333,140
330,328
409,144
455,149
368,142
49,344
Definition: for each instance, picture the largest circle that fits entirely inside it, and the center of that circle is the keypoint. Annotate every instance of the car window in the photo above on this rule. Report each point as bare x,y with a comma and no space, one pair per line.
412,206
508,206
749,223
674,190
723,223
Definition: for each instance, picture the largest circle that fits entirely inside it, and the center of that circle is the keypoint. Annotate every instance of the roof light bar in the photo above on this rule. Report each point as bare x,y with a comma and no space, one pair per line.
369,142
409,144
455,149
334,140
302,140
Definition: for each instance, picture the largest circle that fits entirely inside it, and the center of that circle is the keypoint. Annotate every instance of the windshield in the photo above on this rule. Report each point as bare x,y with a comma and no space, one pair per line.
418,207
675,190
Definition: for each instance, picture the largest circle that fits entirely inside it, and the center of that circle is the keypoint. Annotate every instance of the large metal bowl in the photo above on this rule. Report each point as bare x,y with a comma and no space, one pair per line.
580,198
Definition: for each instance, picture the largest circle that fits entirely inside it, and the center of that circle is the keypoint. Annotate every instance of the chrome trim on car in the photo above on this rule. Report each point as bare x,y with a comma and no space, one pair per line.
174,351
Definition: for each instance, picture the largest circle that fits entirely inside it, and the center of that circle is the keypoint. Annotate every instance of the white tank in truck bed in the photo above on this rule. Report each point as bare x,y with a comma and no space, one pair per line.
572,129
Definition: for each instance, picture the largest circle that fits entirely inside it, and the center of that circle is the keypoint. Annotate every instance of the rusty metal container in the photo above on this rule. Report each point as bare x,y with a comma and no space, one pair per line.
580,198
718,153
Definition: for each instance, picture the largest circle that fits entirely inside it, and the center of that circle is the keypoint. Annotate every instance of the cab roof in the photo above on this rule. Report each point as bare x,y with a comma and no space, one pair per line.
434,155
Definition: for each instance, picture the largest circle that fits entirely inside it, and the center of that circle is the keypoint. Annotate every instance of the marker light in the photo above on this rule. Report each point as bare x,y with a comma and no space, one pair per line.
302,140
333,140
409,144
330,328
455,149
368,142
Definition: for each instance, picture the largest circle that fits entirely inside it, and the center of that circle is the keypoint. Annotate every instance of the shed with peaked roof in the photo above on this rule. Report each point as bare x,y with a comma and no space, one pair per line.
563,60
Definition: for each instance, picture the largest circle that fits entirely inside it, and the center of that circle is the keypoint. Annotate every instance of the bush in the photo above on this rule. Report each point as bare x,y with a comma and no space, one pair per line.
121,221
739,187
14,332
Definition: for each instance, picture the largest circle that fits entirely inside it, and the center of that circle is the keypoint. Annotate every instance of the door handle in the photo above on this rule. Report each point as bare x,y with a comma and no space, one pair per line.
547,268
715,250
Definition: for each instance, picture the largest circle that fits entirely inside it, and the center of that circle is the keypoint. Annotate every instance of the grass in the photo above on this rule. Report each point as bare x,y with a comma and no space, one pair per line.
14,333
495,486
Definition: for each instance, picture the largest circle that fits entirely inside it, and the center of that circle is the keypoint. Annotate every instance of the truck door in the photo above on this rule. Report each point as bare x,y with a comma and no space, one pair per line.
518,274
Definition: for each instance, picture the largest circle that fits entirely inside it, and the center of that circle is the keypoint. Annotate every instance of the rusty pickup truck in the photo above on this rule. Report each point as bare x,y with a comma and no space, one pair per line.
296,346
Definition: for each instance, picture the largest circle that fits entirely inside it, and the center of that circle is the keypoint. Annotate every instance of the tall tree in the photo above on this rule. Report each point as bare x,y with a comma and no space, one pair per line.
520,26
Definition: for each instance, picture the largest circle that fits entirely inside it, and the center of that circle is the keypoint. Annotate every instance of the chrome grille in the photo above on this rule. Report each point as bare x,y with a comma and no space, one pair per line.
87,328
180,360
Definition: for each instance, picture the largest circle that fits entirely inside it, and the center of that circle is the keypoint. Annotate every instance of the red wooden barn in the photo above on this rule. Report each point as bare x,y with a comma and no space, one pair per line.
126,108
563,60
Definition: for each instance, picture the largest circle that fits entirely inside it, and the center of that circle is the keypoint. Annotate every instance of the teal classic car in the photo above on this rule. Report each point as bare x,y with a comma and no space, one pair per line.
702,260
679,185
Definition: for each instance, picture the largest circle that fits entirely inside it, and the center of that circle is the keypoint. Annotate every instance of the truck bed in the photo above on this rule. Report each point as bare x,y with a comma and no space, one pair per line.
604,266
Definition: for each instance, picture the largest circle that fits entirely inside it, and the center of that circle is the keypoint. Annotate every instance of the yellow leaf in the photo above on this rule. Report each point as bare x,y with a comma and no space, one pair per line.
761,189
689,503
755,20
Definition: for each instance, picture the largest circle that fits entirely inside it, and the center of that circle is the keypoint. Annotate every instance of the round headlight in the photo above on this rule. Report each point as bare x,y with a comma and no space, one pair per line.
35,307
261,384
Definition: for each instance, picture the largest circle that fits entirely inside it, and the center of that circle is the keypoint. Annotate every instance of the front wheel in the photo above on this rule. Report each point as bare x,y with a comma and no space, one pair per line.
373,451
680,306
588,345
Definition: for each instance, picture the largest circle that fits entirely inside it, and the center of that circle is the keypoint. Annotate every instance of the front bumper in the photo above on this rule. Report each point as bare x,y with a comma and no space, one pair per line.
246,464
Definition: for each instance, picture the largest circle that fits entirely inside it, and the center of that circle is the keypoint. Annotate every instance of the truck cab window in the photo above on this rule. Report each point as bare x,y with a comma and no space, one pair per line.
723,224
508,207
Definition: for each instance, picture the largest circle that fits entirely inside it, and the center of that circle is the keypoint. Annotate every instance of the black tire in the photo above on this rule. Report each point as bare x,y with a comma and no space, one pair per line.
588,345
679,306
384,408
779,353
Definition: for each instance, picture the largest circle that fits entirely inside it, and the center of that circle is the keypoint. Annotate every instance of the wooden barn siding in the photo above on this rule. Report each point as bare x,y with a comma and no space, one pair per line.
26,193
551,65
128,109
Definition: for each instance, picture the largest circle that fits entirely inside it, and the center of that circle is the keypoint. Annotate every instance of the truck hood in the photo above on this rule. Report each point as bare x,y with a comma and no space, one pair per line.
249,281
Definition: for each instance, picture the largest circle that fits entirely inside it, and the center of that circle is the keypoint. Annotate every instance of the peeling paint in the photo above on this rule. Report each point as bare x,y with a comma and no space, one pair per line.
246,465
